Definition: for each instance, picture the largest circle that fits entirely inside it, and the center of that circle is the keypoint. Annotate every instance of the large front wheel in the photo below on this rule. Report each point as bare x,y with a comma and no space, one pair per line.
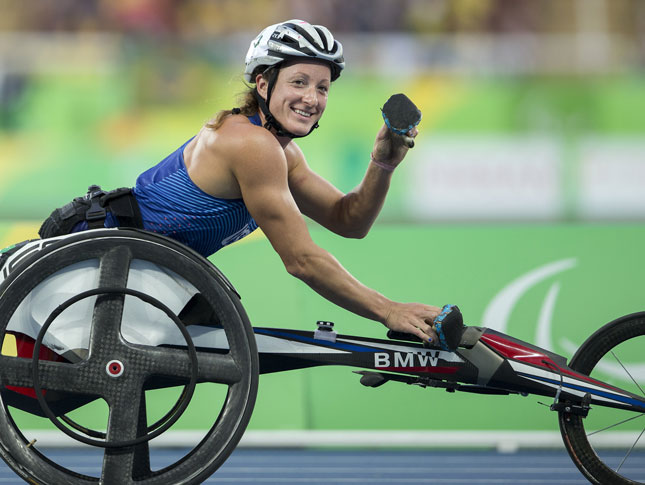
119,321
607,445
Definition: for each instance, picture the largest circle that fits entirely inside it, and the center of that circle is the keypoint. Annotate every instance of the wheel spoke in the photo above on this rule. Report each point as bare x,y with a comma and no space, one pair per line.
72,378
108,311
115,267
118,466
218,368
53,376
142,451
625,369
15,371
614,425
630,450
127,421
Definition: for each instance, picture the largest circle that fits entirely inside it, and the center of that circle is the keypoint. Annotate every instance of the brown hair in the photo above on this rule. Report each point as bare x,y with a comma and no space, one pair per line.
247,100
248,107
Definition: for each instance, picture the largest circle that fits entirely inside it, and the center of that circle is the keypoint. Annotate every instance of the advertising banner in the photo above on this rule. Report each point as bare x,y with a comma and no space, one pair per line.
550,285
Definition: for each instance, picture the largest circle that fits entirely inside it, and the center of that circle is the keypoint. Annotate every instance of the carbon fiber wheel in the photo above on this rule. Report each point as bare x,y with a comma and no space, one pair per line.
607,445
115,316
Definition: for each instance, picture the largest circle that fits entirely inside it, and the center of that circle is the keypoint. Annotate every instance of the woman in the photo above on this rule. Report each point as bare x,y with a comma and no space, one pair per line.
244,170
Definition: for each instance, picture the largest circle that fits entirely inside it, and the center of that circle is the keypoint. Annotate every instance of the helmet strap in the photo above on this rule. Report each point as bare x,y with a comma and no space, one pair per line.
270,121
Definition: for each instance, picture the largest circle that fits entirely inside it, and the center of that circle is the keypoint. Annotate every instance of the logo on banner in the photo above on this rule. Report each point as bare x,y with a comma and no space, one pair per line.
498,311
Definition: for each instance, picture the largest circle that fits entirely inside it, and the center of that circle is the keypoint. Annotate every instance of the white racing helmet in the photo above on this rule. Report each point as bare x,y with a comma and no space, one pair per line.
293,39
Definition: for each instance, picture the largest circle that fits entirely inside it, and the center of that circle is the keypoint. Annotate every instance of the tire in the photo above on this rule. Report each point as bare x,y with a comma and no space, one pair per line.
586,438
117,253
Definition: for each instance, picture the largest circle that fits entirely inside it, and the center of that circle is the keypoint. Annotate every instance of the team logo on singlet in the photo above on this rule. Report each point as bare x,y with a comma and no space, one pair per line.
245,231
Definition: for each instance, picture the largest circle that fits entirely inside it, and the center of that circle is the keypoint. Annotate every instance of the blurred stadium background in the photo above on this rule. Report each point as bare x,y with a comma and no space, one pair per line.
523,202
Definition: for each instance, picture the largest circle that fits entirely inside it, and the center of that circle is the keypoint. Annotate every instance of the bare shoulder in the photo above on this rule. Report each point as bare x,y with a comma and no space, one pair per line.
295,157
293,151
217,160
241,142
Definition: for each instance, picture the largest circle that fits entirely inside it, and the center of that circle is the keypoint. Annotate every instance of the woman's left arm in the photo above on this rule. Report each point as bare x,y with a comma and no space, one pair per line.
352,214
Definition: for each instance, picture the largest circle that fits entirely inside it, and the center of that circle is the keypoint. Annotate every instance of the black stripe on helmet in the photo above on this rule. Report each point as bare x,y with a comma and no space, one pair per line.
323,36
306,35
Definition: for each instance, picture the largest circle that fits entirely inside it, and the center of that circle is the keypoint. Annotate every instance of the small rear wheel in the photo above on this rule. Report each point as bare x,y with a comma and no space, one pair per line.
608,445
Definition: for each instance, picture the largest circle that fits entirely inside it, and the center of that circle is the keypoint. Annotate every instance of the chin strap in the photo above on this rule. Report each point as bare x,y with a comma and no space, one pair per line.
271,122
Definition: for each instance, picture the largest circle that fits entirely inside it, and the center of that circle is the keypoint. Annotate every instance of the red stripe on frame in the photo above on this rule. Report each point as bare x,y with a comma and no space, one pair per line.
515,351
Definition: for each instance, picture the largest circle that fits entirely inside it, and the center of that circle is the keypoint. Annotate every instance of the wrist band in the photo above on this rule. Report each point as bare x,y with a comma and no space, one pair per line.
384,166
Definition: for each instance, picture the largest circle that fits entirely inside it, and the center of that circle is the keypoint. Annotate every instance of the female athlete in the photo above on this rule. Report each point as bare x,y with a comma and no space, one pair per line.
244,170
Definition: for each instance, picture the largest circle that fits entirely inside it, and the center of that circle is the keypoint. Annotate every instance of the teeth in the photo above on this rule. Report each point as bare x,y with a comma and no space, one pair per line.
303,113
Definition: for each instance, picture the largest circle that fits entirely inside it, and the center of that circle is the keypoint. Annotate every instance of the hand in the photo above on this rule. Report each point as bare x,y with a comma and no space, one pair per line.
391,148
414,318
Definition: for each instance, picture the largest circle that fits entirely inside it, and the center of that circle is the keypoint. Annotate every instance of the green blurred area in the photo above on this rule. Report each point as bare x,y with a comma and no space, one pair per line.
65,132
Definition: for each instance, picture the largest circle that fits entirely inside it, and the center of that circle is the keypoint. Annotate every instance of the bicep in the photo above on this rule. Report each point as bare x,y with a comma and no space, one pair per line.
266,194
316,197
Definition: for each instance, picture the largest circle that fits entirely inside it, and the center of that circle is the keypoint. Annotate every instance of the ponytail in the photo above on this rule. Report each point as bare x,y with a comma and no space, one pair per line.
248,102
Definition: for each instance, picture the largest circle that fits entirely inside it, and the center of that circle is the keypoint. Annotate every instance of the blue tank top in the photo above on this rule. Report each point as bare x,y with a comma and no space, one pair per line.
171,204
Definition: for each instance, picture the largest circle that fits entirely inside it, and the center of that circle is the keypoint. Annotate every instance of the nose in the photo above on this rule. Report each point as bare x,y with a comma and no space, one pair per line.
310,97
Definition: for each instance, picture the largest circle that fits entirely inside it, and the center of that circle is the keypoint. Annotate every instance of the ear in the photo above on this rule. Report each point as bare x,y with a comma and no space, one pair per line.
262,85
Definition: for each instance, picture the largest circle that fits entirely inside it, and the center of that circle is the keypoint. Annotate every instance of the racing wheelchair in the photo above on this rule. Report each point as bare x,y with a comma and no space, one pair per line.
113,314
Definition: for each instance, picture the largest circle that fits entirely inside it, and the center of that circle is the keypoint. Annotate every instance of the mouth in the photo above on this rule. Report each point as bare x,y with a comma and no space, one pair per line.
302,114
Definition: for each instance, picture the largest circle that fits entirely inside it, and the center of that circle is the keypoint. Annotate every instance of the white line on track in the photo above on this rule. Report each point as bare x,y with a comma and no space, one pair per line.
432,480
390,470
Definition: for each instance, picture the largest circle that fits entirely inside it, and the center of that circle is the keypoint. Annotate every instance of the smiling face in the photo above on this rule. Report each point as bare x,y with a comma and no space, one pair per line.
300,94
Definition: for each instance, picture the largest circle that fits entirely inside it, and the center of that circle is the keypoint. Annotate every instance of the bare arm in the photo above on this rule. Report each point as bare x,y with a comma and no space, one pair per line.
261,171
354,213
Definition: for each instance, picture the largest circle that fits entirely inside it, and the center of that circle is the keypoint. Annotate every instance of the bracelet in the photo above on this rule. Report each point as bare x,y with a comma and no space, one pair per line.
384,166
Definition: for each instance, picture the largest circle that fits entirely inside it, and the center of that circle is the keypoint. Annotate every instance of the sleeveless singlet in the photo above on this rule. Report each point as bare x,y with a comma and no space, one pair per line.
171,204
